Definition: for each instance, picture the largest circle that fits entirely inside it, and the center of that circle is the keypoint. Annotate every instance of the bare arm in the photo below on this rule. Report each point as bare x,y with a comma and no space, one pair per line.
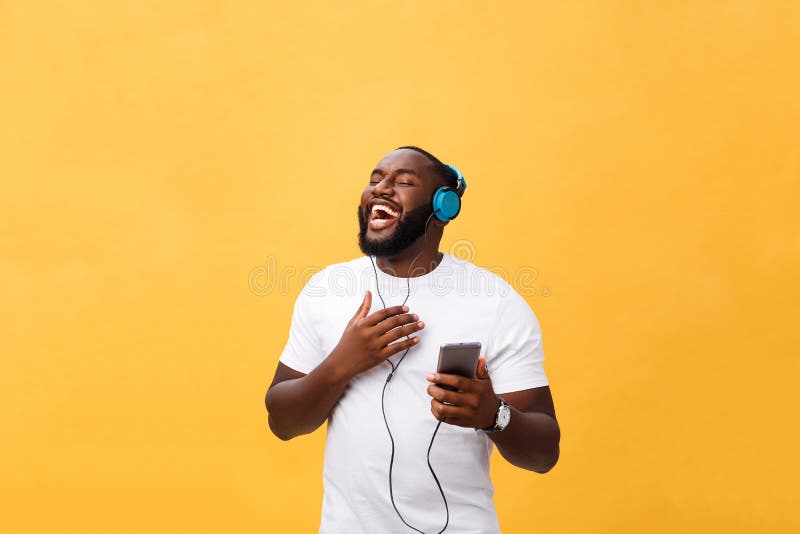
299,403
531,439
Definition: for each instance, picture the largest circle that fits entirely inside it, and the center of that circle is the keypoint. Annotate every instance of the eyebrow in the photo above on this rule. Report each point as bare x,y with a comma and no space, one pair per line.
398,171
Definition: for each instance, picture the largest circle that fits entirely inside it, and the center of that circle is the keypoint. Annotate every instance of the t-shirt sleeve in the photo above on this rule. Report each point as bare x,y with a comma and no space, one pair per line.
303,351
515,357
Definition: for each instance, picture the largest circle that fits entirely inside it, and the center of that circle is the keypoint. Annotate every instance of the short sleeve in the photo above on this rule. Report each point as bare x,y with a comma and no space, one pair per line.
303,351
514,357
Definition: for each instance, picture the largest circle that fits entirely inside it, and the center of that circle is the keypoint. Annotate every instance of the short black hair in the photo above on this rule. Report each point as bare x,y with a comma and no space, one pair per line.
447,174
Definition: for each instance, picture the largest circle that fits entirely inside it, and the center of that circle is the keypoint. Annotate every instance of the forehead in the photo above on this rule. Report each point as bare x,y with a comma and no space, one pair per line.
406,159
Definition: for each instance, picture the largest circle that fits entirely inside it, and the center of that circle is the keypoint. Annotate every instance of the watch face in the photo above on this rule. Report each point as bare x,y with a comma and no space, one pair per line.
503,416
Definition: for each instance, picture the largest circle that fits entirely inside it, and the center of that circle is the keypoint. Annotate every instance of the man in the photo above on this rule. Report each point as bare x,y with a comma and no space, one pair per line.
369,367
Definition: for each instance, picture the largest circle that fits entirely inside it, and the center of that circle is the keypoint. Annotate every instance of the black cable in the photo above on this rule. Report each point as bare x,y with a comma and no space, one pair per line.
383,405
435,478
391,458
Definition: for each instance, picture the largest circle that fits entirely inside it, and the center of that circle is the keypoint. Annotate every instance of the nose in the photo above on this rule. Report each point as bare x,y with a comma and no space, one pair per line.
384,188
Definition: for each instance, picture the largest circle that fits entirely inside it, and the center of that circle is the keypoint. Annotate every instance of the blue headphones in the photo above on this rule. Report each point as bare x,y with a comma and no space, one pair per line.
446,200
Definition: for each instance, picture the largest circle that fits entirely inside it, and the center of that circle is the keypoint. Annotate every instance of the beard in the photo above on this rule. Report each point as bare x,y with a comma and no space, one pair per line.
408,229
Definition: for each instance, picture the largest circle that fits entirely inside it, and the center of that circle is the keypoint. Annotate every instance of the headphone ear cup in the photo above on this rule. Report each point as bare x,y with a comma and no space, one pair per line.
446,204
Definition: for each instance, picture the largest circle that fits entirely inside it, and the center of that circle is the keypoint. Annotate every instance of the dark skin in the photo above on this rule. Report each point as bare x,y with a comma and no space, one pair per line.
299,403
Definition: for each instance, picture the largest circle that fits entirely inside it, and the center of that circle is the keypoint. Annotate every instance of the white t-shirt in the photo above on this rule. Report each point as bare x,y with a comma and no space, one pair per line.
458,302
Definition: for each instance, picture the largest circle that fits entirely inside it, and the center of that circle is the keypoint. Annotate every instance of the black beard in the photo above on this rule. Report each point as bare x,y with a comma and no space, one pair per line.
408,229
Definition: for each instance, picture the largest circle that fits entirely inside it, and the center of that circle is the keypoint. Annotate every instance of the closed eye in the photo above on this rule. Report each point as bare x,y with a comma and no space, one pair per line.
376,181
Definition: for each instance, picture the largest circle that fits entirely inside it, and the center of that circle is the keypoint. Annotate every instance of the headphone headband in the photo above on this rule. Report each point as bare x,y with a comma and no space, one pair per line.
462,184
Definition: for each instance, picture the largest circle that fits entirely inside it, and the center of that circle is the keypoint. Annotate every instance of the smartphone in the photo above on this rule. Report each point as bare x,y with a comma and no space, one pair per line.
458,359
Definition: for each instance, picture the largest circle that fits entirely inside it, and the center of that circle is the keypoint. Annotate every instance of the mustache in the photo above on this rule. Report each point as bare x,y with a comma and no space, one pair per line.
410,227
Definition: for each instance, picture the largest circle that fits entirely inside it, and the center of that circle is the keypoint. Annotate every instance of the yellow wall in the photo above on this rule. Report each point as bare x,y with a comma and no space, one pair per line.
155,157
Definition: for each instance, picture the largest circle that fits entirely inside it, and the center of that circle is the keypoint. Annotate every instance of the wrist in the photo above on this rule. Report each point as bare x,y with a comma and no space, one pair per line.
502,417
495,404
335,370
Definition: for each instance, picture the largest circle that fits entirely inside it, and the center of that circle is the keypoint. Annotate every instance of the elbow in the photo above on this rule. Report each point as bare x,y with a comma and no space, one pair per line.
549,451
275,427
550,458
548,463
280,434
277,424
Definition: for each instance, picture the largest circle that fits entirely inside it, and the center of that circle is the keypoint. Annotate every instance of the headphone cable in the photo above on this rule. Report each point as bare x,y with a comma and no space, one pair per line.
383,395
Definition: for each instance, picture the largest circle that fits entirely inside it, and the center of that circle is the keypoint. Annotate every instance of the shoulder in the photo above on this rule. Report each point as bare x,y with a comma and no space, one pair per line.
480,280
495,289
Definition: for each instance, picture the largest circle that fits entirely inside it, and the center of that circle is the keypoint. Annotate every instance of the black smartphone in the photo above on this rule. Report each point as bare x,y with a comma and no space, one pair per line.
458,359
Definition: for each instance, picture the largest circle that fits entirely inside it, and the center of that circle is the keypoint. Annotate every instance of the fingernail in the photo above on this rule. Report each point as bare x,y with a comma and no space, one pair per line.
405,308
421,324
430,378
415,316
416,340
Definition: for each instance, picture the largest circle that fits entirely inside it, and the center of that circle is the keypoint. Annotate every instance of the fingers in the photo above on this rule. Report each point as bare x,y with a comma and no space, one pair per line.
394,321
394,348
383,314
453,398
473,404
363,309
458,382
481,373
404,328
400,331
455,415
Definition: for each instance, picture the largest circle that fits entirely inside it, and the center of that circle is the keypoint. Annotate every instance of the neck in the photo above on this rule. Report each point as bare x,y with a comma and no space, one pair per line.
416,260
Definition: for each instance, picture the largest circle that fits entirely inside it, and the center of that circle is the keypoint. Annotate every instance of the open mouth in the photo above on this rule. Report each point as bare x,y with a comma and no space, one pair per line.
382,216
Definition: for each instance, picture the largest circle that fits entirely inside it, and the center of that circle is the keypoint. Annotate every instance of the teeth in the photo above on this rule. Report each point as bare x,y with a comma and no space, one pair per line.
385,208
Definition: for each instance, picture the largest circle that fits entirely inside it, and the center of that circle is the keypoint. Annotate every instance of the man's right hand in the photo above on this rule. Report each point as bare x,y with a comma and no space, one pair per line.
299,403
366,340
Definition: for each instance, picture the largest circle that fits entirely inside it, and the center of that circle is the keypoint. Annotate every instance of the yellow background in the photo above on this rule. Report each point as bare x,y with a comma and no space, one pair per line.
156,158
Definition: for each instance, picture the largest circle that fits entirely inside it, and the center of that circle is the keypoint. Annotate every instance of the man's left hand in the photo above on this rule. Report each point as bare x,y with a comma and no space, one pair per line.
473,405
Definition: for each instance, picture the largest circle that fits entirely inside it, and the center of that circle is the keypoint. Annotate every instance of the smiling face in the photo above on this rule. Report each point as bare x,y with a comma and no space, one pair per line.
396,204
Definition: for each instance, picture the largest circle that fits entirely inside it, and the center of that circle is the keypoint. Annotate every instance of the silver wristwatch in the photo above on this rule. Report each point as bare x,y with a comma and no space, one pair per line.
502,419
